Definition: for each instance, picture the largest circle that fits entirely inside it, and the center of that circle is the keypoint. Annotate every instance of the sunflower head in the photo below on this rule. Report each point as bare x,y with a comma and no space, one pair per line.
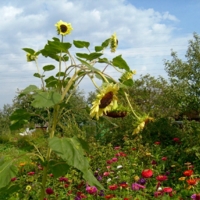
113,43
63,28
31,57
106,100
127,75
142,123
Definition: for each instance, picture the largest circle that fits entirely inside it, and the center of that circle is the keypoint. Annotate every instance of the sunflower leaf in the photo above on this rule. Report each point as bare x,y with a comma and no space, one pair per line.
29,50
46,99
90,56
120,63
48,67
81,44
105,43
98,48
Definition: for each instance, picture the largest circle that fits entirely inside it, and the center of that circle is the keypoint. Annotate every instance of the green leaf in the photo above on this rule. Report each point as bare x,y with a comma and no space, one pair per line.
19,118
89,57
128,82
58,168
48,67
29,89
28,50
46,99
105,43
98,48
60,74
38,75
7,191
51,81
81,44
104,60
71,151
7,171
120,63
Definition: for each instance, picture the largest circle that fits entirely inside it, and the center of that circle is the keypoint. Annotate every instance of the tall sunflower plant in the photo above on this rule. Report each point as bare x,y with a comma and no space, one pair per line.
54,94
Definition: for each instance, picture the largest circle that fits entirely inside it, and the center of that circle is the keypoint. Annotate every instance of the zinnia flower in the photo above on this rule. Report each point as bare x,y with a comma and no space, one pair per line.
147,173
161,178
113,187
91,189
49,191
167,190
136,186
113,42
196,196
188,172
192,181
105,101
63,28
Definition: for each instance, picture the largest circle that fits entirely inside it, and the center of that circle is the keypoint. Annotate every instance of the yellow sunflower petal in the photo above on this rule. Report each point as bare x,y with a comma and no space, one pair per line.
63,28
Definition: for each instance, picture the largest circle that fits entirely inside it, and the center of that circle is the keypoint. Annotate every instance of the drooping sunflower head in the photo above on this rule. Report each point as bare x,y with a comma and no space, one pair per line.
127,75
113,42
142,123
31,57
63,28
105,101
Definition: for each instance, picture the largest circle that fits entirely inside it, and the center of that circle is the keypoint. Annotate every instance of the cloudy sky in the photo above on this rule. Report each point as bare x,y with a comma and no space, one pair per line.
147,30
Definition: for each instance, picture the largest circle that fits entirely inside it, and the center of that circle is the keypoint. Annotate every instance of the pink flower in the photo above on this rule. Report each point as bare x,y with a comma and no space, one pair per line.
136,186
117,148
91,189
109,162
114,159
167,190
106,173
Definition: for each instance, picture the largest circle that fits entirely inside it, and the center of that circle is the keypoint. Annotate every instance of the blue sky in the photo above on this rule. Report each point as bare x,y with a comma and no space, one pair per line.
147,31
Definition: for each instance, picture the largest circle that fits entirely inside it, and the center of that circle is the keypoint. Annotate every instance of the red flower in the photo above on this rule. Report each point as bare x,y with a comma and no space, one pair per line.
123,185
157,143
31,173
117,148
176,139
147,173
192,181
188,172
164,158
13,179
113,187
134,148
109,162
49,191
122,154
63,179
109,196
161,178
167,190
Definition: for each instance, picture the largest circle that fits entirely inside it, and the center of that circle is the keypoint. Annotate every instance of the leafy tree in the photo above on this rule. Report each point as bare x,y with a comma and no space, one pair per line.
185,76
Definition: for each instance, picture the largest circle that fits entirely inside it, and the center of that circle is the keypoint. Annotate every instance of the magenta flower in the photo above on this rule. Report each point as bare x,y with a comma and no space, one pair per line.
63,179
31,173
49,191
91,189
195,196
136,186
114,159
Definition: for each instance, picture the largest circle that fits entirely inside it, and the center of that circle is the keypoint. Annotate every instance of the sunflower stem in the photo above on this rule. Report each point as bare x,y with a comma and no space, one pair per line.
126,95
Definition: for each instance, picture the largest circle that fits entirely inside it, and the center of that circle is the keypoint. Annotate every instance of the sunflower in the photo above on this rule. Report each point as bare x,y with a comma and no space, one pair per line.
127,75
141,124
113,43
31,57
105,101
63,28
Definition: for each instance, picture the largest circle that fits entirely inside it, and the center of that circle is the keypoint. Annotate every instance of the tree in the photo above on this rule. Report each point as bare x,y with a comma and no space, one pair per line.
185,76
